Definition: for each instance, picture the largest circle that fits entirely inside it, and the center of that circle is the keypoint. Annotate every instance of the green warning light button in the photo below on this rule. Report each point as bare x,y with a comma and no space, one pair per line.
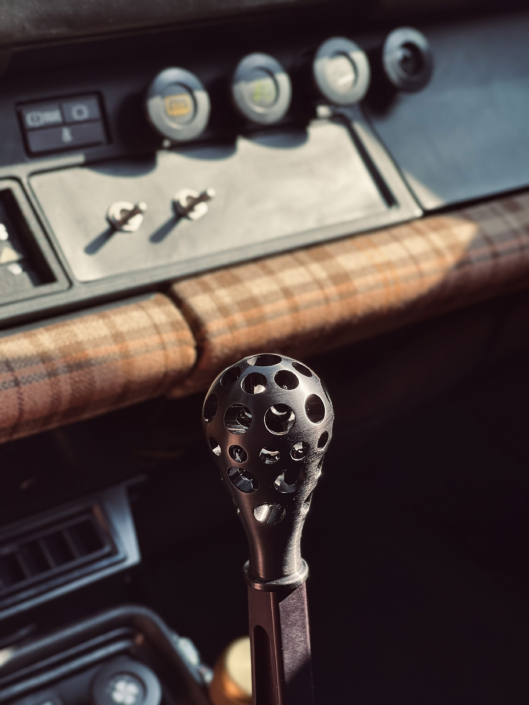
262,89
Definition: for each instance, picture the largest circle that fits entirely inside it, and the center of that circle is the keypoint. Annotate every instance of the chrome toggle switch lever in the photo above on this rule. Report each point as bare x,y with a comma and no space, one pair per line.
268,422
191,204
126,217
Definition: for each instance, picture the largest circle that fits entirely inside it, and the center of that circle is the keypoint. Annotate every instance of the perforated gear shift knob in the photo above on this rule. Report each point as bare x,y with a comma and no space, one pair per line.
268,422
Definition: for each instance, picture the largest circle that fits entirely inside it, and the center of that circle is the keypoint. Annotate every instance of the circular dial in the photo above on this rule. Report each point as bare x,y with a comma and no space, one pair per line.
407,59
261,89
341,71
124,681
178,105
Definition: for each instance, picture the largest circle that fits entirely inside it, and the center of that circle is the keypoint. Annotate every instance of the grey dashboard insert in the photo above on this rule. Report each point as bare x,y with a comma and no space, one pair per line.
466,135
274,191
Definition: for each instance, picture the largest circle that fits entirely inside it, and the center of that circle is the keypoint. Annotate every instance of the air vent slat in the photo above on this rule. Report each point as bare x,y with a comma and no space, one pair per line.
47,555
58,549
66,534
86,538
34,558
10,571
23,565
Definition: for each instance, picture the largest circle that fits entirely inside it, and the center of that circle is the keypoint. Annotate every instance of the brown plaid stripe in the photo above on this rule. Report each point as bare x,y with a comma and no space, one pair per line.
321,297
81,367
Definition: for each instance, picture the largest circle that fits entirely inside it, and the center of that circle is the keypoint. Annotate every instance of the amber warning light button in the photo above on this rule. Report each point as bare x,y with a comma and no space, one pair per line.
180,106
177,105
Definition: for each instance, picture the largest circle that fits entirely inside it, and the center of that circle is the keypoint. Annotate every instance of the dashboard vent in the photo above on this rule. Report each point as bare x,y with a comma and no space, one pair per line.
51,552
48,555
54,553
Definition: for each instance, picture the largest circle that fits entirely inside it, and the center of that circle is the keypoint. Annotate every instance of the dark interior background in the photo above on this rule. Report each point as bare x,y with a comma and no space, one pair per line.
417,540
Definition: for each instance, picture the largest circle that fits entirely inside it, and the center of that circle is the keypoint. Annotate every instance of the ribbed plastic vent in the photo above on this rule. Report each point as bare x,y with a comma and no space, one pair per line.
52,551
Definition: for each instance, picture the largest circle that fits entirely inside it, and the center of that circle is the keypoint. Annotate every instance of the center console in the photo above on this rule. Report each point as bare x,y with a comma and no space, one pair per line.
127,655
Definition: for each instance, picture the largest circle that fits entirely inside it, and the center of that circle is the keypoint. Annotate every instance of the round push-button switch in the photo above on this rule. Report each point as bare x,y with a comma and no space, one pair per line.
341,71
178,105
407,59
261,89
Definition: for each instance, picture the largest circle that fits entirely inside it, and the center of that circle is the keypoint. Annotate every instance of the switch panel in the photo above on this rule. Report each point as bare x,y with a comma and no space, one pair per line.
70,123
16,271
27,265
208,204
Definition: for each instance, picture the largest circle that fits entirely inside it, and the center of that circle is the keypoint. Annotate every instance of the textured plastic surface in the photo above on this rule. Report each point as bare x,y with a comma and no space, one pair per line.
466,134
34,20
269,189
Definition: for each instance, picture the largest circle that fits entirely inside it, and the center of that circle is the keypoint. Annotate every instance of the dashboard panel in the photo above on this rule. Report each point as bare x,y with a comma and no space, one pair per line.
82,138
272,191
36,21
85,147
466,135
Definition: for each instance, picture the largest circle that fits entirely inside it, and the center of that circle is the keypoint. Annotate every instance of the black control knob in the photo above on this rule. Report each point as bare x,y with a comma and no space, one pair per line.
178,105
340,72
126,682
261,89
407,60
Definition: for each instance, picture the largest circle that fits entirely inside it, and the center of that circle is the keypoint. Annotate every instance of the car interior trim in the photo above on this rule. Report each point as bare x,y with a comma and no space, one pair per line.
303,302
322,297
81,367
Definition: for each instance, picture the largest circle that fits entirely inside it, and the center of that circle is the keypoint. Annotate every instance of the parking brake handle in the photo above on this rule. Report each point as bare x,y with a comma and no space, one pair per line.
268,422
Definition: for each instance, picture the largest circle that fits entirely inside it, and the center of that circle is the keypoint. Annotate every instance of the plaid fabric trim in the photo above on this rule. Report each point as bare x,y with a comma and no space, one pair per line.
78,368
322,297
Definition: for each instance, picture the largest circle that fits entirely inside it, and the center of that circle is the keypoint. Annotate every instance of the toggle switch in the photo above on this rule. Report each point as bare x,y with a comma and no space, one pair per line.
191,204
126,217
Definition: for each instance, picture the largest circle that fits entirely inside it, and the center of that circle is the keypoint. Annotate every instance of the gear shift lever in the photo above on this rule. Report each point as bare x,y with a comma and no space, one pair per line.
268,421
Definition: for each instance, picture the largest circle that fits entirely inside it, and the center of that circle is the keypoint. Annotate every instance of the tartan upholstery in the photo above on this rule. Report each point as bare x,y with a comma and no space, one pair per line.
300,303
77,368
311,300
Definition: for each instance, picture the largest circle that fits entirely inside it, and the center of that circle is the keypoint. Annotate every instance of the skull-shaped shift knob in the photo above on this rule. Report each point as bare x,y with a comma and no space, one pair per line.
268,421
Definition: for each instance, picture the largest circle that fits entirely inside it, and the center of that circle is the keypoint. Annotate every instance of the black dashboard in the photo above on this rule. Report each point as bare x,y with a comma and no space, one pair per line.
88,136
